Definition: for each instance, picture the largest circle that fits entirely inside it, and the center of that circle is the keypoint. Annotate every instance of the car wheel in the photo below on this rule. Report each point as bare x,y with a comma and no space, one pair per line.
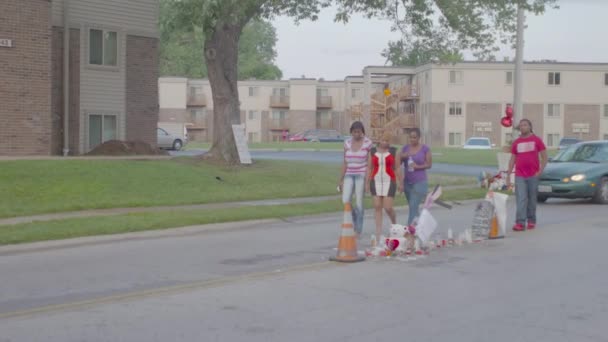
542,199
177,145
601,195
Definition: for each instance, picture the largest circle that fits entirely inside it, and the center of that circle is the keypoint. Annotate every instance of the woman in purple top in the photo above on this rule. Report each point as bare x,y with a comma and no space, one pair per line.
416,159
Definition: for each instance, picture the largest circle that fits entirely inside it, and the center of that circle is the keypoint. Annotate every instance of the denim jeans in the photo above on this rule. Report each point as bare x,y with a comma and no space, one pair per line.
415,195
355,184
526,192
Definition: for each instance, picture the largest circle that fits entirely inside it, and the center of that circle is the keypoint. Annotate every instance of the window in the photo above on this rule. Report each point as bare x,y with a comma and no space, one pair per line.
606,111
198,114
455,139
553,110
102,128
605,136
322,92
555,78
509,78
279,92
552,139
103,47
279,115
455,108
606,79
455,77
253,91
253,136
355,93
426,77
196,90
252,115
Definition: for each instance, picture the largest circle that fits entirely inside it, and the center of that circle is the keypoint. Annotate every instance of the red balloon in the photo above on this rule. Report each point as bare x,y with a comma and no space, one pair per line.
506,122
509,112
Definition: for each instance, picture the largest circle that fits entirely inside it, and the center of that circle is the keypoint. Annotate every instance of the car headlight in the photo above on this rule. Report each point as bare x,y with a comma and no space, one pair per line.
577,178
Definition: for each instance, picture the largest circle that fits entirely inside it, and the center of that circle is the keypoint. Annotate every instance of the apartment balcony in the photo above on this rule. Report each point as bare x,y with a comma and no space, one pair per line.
198,100
278,124
324,102
279,101
408,92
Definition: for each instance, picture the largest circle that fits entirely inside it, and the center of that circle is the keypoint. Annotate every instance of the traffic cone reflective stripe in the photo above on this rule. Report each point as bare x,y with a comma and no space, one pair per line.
347,244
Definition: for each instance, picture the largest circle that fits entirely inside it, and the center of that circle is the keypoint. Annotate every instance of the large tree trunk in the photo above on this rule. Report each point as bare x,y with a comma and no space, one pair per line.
221,55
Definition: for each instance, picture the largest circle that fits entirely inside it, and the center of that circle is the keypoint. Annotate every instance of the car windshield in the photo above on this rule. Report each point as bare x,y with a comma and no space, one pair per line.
592,153
478,142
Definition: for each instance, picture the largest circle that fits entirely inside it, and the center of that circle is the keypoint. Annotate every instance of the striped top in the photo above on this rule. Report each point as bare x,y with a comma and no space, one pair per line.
356,161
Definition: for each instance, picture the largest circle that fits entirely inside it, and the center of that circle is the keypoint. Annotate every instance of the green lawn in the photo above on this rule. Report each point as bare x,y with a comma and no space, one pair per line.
36,187
78,227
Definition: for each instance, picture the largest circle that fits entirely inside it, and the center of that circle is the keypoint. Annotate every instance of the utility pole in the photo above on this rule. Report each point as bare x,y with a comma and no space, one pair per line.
518,105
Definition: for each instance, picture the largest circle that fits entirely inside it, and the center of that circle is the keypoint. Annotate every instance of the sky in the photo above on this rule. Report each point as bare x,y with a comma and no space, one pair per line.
576,32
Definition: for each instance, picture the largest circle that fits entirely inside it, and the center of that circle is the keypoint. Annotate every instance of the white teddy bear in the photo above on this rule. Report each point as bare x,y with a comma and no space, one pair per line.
396,242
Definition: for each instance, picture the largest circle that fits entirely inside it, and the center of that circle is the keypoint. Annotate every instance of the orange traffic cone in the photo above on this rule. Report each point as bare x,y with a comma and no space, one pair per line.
347,245
494,229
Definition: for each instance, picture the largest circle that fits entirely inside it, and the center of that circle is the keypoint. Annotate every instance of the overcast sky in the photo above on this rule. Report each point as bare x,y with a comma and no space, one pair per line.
577,32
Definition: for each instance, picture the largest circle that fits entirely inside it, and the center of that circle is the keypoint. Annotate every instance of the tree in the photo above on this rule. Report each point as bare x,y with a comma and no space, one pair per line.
182,49
477,25
404,52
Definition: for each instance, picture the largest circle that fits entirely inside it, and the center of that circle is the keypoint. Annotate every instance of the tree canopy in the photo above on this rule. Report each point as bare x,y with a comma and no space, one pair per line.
182,48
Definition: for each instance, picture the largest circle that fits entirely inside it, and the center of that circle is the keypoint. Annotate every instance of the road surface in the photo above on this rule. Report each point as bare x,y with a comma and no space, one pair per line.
272,282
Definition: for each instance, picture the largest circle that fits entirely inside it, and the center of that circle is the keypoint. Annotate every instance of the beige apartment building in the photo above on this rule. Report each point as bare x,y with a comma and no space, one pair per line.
454,102
68,93
449,103
268,108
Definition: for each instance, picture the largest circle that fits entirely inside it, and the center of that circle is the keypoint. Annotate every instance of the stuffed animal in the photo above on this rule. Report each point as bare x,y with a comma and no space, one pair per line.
397,241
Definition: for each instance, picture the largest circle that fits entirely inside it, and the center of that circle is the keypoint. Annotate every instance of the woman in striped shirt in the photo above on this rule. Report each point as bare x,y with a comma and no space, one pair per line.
354,171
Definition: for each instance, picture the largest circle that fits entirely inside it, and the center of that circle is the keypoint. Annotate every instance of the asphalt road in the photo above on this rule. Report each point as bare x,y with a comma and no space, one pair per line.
336,157
271,282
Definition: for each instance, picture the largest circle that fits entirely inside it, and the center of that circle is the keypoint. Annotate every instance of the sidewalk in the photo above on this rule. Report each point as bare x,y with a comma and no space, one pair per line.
224,205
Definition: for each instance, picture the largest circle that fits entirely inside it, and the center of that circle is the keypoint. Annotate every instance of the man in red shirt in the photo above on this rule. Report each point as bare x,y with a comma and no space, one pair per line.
525,153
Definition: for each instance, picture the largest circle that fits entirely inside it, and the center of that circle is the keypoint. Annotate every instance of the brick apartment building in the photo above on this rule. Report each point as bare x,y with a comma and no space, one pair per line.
450,102
112,74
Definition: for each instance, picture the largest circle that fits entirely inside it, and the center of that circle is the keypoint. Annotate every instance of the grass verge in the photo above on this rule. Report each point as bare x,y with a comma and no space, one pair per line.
79,227
47,186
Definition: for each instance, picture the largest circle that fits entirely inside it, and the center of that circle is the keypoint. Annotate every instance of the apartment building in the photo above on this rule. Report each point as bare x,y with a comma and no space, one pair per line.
453,102
449,102
105,88
268,108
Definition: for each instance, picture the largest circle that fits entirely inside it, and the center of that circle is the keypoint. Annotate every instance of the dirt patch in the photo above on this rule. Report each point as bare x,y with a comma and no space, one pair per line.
126,148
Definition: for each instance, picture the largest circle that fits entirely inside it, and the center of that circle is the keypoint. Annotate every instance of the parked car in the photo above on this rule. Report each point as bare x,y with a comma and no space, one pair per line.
477,143
167,140
565,142
318,135
579,171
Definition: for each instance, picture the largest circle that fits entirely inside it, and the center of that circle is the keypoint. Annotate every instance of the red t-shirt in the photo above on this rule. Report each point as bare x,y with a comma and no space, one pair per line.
526,151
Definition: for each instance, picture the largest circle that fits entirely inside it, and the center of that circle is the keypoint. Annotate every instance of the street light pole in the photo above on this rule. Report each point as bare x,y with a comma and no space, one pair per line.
519,64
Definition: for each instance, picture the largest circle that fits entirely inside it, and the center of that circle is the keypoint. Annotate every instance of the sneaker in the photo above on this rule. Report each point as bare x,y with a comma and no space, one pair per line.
518,227
531,225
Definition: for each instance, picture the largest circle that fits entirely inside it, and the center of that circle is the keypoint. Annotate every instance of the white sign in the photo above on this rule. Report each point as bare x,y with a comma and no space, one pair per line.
241,143
580,128
482,126
6,43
